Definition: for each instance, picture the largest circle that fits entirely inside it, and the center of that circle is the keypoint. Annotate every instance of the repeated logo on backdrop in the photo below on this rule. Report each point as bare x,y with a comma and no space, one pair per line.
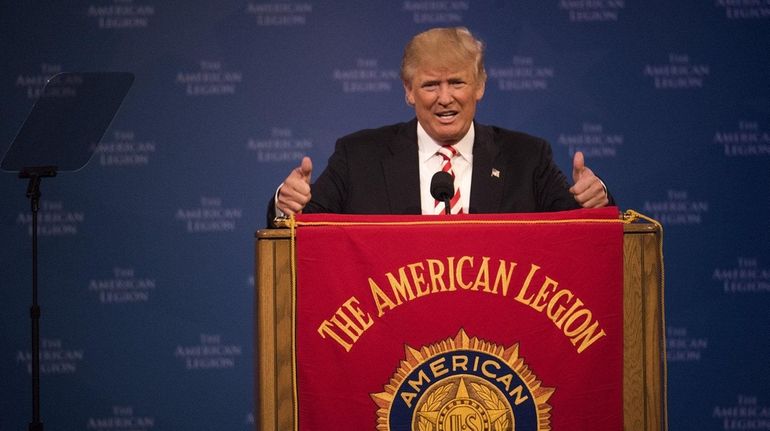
437,12
210,353
279,146
210,216
676,208
682,346
747,140
592,140
123,149
54,219
367,77
210,79
121,418
57,357
122,286
121,14
524,74
678,73
745,9
745,277
280,14
593,10
33,83
748,412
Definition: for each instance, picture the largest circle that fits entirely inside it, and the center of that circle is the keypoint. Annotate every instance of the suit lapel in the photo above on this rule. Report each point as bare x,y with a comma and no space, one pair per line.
486,183
402,171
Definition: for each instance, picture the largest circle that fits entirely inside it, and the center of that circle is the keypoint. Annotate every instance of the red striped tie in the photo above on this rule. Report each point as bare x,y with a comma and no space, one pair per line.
448,152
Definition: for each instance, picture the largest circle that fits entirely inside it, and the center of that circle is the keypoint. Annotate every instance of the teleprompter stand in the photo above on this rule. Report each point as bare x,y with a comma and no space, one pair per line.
60,134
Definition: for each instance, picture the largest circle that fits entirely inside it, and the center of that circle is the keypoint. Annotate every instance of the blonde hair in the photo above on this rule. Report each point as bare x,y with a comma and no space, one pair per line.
443,47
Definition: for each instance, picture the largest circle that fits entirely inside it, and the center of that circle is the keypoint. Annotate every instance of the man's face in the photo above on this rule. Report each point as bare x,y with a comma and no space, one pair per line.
444,99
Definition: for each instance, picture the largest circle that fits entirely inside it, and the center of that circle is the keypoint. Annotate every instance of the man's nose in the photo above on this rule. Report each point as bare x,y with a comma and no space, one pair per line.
445,96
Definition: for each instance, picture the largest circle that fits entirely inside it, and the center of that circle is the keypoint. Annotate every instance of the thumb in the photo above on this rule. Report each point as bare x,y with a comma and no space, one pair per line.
306,169
578,166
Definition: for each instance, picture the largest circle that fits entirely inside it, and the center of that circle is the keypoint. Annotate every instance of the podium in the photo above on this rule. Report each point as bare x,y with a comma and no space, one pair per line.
644,369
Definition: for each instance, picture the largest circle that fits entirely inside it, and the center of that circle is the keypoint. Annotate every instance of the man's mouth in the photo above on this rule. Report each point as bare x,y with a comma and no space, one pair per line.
446,116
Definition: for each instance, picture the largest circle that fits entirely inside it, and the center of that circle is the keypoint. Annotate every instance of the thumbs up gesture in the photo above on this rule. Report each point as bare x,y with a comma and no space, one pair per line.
294,194
588,190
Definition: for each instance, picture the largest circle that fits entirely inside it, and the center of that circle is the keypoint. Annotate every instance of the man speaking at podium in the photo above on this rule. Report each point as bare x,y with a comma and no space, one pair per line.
389,170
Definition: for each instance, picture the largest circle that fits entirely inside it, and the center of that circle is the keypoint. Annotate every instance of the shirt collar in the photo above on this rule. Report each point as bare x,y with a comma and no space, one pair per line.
428,147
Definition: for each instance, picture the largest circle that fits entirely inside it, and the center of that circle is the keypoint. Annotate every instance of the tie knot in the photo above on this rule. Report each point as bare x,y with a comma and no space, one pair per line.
447,151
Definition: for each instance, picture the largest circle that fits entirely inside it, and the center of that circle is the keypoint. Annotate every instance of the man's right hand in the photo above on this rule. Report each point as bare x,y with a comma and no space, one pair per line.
295,192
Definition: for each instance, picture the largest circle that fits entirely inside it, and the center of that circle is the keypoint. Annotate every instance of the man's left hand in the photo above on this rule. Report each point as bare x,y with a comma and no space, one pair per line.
588,189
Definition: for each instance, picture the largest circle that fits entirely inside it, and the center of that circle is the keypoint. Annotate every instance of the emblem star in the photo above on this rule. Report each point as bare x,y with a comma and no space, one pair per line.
462,393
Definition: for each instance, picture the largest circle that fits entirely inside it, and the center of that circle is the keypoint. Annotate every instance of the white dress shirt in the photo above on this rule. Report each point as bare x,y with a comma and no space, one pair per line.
431,162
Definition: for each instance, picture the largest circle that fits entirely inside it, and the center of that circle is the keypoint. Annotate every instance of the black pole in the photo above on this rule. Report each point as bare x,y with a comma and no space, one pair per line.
35,175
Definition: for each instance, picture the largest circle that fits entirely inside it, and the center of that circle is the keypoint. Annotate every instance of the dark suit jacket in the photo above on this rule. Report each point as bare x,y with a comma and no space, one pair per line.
376,171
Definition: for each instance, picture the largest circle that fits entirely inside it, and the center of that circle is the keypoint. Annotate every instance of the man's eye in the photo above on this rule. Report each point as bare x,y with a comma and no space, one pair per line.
430,86
458,84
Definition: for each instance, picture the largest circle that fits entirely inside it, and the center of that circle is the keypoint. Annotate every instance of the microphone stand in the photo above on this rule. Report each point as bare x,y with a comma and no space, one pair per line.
35,175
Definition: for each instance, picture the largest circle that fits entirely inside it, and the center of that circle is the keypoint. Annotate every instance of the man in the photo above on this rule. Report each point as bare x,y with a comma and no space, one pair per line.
389,170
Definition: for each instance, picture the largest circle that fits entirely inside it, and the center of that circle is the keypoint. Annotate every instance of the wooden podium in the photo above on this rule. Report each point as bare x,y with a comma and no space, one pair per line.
644,366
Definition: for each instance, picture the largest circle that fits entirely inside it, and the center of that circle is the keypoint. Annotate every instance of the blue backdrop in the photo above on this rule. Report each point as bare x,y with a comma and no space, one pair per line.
147,254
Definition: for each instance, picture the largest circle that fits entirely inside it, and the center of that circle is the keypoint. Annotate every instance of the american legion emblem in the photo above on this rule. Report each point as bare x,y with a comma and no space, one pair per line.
463,383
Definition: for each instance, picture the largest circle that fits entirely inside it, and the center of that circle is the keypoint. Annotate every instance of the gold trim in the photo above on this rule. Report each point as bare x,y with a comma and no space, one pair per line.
292,224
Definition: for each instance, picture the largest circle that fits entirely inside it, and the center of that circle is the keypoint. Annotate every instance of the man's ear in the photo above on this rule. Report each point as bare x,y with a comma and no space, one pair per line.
408,96
481,86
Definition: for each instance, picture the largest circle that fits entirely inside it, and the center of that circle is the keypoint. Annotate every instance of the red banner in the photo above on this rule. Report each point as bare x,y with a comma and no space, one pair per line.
469,322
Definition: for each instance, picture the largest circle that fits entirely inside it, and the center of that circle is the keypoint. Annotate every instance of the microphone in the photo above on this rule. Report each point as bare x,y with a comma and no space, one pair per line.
442,188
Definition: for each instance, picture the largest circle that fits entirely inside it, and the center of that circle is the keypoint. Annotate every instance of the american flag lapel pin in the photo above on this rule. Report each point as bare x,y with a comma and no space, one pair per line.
495,173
